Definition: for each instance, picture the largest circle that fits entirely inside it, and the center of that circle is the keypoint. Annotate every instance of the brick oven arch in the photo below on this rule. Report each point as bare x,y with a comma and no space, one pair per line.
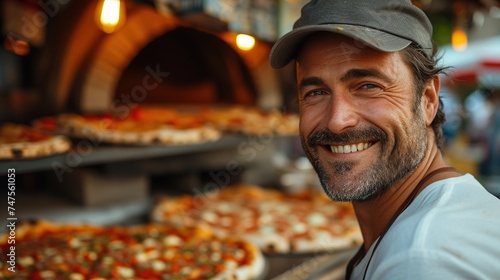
114,53
80,65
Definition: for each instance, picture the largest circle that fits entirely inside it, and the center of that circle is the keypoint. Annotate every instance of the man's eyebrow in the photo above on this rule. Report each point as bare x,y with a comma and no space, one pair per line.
363,73
311,81
349,75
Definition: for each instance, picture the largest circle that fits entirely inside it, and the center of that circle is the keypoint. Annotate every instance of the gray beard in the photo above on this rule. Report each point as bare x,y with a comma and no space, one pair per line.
374,181
370,183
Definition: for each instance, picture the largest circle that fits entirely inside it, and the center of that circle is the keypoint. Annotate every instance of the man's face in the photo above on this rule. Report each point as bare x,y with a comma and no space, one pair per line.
358,124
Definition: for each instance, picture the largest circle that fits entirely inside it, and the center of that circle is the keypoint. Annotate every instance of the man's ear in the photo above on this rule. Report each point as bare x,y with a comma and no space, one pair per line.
430,99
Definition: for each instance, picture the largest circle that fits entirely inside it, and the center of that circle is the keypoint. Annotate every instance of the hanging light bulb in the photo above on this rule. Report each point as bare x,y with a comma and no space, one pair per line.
110,15
459,36
459,40
245,42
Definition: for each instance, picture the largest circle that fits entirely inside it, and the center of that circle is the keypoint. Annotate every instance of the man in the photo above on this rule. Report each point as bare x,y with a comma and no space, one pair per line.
371,117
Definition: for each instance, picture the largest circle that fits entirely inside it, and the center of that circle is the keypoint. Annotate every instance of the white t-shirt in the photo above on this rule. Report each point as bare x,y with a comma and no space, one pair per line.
450,231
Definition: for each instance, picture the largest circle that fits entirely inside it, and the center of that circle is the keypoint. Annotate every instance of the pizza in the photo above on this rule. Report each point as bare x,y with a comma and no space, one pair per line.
251,120
110,129
22,142
240,119
275,221
171,125
77,252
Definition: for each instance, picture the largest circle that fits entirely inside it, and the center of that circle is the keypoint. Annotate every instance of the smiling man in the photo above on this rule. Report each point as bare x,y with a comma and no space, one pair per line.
371,116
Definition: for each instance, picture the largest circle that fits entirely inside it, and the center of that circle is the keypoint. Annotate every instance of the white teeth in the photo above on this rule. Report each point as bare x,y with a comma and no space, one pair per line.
361,146
349,148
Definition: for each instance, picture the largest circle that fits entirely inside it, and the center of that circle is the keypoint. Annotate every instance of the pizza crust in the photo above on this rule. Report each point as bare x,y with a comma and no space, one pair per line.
133,132
270,243
247,272
17,146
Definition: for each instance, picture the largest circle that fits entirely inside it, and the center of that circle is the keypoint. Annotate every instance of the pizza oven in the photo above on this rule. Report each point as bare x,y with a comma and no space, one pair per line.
154,59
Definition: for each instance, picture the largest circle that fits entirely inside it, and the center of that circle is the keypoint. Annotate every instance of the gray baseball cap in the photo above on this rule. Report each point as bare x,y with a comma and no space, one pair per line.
386,25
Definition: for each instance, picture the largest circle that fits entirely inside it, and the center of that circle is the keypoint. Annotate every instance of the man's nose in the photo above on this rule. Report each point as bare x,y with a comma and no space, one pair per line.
342,114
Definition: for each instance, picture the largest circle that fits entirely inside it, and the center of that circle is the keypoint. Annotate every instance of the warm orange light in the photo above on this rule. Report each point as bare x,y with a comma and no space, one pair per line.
245,42
459,40
17,46
110,15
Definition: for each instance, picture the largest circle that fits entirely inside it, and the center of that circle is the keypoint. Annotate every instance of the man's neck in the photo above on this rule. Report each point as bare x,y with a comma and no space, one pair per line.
374,215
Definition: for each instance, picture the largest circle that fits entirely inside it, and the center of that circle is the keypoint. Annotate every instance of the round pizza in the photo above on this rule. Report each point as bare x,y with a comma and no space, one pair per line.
247,120
23,142
109,129
275,221
79,252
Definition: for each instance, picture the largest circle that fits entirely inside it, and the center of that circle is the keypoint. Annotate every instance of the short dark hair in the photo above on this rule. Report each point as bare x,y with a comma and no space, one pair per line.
424,69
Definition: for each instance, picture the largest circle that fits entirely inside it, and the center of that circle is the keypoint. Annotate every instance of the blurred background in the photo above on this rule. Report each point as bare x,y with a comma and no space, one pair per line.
89,57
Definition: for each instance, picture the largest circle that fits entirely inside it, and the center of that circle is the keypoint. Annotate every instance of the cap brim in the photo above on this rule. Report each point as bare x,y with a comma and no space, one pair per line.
284,50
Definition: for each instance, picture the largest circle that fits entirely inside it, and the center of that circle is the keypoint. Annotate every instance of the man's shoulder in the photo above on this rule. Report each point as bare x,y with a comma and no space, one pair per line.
453,211
462,193
452,196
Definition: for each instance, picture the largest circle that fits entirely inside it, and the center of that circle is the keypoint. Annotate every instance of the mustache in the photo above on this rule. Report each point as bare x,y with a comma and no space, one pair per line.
326,137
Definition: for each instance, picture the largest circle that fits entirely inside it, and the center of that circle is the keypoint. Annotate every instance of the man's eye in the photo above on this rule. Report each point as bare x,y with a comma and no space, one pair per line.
316,93
369,86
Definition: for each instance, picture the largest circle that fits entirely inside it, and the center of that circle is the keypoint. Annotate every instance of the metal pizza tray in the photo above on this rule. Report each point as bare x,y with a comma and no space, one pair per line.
313,266
265,272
